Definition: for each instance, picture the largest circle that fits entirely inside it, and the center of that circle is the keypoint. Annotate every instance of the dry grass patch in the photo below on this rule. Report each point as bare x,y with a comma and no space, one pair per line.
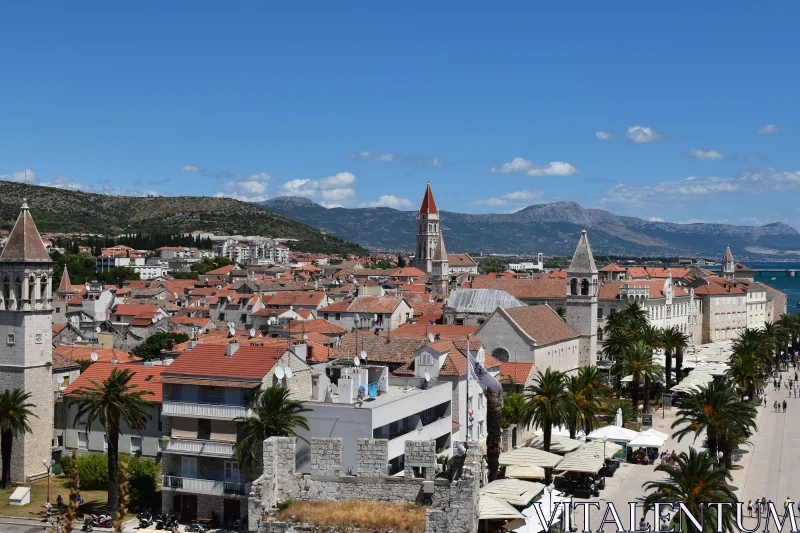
380,516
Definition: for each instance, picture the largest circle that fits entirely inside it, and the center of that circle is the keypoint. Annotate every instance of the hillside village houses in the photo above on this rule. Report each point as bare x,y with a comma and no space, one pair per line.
302,320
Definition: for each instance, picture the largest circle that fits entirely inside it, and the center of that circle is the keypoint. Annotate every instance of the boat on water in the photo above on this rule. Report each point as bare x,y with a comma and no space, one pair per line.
772,278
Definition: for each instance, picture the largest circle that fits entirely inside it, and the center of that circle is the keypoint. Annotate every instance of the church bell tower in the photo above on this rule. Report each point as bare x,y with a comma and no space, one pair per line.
582,300
427,232
26,338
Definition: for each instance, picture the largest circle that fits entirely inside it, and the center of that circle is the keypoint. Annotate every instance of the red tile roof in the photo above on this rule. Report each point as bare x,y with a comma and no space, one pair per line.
610,290
613,267
515,372
287,298
135,310
65,286
541,323
248,362
428,203
316,326
222,271
24,242
460,260
103,354
144,378
420,330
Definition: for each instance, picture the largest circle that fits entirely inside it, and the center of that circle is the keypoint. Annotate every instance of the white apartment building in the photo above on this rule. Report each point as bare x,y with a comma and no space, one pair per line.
147,269
259,252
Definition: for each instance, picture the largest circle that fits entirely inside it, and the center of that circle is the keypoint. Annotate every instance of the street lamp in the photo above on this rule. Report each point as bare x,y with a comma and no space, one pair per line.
604,461
49,465
720,455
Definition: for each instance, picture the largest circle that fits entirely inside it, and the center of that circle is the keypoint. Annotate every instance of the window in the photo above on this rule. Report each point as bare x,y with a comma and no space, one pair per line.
427,413
136,444
160,424
600,312
243,318
222,316
65,381
501,354
10,338
189,466
425,359
325,316
338,316
232,471
83,440
38,338
58,309
481,429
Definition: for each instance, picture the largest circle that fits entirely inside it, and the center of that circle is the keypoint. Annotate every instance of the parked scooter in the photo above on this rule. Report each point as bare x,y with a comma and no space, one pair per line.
88,522
145,519
164,521
195,526
102,520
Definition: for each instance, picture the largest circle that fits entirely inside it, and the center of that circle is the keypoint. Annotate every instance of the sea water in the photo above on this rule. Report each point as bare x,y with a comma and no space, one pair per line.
783,282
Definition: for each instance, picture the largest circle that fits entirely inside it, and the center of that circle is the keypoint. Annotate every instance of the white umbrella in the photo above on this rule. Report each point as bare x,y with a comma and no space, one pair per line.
656,433
525,471
613,433
492,508
646,441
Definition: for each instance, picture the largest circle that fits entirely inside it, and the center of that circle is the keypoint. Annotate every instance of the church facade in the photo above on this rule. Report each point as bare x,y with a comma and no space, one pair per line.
26,331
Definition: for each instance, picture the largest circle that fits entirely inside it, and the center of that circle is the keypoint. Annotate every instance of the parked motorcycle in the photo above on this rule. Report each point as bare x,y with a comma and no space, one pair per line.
102,520
145,519
195,526
88,521
164,521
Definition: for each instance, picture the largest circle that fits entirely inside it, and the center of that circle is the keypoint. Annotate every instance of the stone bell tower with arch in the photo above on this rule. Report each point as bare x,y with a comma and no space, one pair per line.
26,338
581,305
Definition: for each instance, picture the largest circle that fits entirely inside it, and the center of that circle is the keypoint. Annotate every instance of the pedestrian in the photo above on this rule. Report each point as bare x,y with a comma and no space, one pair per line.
765,400
784,406
48,509
775,406
79,501
749,509
59,503
787,504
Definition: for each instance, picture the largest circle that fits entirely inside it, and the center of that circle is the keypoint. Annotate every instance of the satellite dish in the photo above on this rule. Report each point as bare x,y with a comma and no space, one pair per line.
356,317
356,361
252,333
78,339
364,355
305,337
481,352
279,372
97,329
430,337
427,376
94,356
288,372
232,331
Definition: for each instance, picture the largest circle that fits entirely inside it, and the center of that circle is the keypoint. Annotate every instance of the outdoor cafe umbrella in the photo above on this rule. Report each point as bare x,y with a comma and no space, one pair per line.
493,508
525,471
646,441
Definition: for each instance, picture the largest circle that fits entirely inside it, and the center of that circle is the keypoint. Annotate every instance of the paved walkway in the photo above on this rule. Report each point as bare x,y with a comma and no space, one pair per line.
770,467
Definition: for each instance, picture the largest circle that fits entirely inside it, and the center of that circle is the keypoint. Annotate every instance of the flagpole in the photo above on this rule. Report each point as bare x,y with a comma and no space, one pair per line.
466,434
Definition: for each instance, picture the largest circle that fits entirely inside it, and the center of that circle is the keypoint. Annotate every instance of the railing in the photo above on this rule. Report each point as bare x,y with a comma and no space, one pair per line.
206,486
204,410
200,447
432,431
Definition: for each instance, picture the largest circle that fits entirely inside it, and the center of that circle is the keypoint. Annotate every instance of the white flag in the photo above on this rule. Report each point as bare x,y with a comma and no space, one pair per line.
476,372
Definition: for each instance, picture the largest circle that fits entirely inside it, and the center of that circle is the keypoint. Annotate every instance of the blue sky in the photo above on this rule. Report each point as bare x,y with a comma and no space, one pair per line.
685,112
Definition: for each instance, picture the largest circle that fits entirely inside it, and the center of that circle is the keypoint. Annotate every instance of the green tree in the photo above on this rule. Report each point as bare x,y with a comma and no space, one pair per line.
628,412
548,402
401,262
15,413
513,409
151,348
693,481
207,264
274,414
653,338
562,313
116,276
111,402
637,361
672,340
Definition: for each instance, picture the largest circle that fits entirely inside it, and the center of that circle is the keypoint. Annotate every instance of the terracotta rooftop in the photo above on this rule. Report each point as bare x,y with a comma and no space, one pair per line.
248,362
144,378
65,287
460,260
24,242
515,372
613,267
428,203
84,353
610,290
305,298
542,324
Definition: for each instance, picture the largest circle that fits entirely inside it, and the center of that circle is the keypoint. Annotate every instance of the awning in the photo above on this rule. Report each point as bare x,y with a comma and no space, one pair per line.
559,445
581,462
530,456
596,447
612,433
514,491
656,433
532,524
492,508
525,471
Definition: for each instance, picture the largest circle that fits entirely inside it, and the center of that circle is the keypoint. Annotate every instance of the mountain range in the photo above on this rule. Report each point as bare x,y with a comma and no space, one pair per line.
552,229
65,211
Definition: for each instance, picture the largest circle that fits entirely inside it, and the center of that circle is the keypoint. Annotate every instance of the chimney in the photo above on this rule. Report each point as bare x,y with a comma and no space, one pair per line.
171,345
231,348
300,350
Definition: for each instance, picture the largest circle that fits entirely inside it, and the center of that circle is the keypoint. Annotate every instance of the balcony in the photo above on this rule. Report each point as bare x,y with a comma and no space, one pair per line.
205,448
432,431
204,410
206,486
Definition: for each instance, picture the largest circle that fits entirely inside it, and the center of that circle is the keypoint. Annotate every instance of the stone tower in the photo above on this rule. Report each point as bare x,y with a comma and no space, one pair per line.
427,232
440,273
728,264
582,300
26,334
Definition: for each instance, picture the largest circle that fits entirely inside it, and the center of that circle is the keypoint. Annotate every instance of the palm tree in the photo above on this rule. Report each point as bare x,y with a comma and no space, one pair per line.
652,337
15,410
791,325
745,371
548,402
776,338
273,414
693,481
112,401
584,406
673,341
592,388
628,412
635,316
714,408
638,362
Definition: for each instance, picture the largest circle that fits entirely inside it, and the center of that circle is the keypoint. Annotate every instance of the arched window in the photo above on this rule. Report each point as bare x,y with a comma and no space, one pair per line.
501,354
599,334
585,287
573,286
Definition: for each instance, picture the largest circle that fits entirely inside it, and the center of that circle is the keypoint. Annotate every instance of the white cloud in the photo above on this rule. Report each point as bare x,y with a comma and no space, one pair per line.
656,219
769,129
386,157
642,134
712,155
23,176
336,190
389,200
520,165
246,191
189,168
603,135
752,182
511,198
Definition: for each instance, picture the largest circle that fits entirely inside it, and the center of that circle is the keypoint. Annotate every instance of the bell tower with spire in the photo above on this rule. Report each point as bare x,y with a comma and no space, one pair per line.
427,232
582,300
26,333
440,274
728,265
